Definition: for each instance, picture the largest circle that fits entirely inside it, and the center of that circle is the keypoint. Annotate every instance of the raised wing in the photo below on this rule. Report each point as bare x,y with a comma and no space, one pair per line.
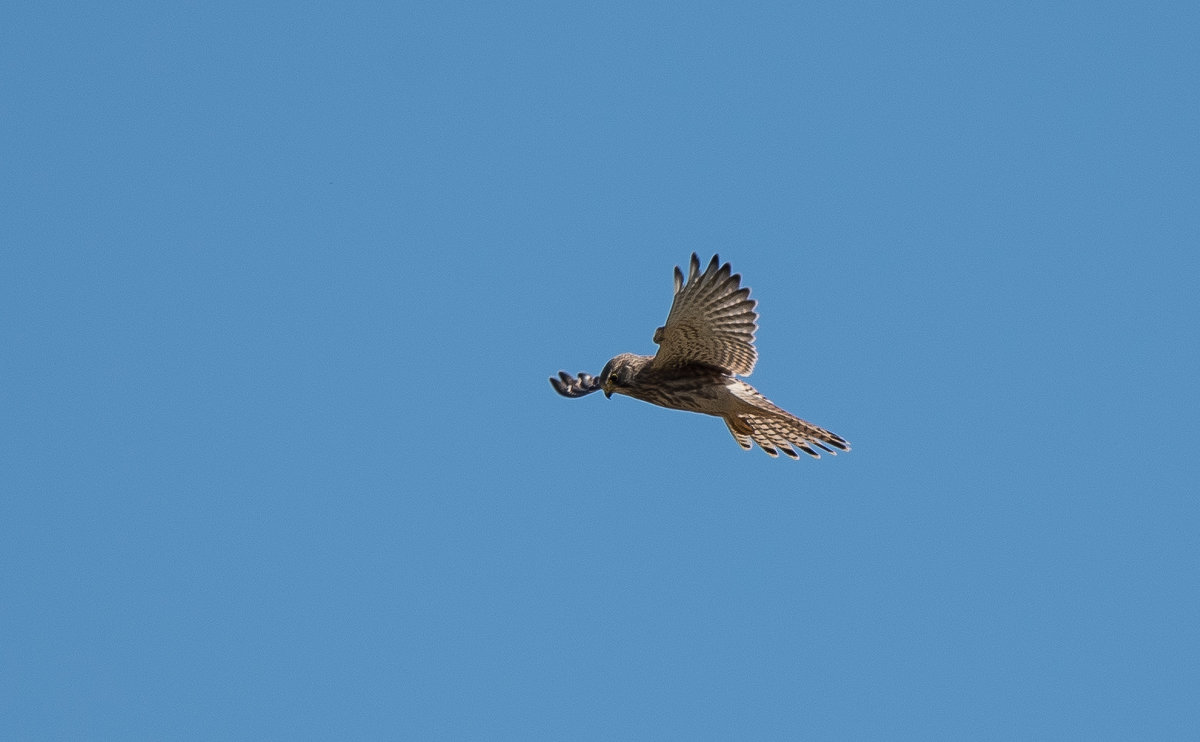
712,321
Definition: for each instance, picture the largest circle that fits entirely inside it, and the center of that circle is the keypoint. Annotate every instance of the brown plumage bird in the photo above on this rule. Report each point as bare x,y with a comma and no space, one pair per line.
707,342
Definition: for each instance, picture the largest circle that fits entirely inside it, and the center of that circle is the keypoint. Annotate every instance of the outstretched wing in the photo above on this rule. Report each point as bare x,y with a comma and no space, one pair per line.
712,321
571,386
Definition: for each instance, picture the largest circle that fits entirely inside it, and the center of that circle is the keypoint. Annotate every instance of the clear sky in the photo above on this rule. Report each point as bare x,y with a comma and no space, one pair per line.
281,285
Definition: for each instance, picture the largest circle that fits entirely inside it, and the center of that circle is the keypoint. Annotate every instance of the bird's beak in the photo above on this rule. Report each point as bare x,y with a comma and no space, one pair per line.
608,394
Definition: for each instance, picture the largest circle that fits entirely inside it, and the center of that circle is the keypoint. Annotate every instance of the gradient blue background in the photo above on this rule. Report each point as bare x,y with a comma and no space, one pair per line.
281,286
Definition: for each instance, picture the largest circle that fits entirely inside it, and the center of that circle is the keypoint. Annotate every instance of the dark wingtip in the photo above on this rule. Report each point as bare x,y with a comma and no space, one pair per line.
574,386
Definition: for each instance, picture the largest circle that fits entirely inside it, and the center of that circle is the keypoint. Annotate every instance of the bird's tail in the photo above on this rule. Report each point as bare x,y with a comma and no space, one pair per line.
777,430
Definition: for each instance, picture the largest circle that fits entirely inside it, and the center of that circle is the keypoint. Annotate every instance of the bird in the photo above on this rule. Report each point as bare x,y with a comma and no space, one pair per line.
705,345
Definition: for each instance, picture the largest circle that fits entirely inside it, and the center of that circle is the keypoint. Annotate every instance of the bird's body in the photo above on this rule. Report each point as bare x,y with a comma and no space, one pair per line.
692,387
707,341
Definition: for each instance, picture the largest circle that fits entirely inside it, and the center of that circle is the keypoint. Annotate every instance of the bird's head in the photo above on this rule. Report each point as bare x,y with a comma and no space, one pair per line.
618,373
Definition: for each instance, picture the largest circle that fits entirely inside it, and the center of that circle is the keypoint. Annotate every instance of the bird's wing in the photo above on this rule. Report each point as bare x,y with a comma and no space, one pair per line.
712,321
575,386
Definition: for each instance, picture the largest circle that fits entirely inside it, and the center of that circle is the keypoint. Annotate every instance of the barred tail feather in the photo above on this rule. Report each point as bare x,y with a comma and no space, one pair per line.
740,430
782,432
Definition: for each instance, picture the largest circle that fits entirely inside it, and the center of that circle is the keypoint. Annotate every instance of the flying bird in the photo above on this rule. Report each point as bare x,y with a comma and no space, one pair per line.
707,342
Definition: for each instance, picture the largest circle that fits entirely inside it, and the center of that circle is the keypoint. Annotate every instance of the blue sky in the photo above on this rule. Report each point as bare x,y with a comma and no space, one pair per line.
281,286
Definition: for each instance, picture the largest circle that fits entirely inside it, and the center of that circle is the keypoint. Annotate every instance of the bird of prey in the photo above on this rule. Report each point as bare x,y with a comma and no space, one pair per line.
707,342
